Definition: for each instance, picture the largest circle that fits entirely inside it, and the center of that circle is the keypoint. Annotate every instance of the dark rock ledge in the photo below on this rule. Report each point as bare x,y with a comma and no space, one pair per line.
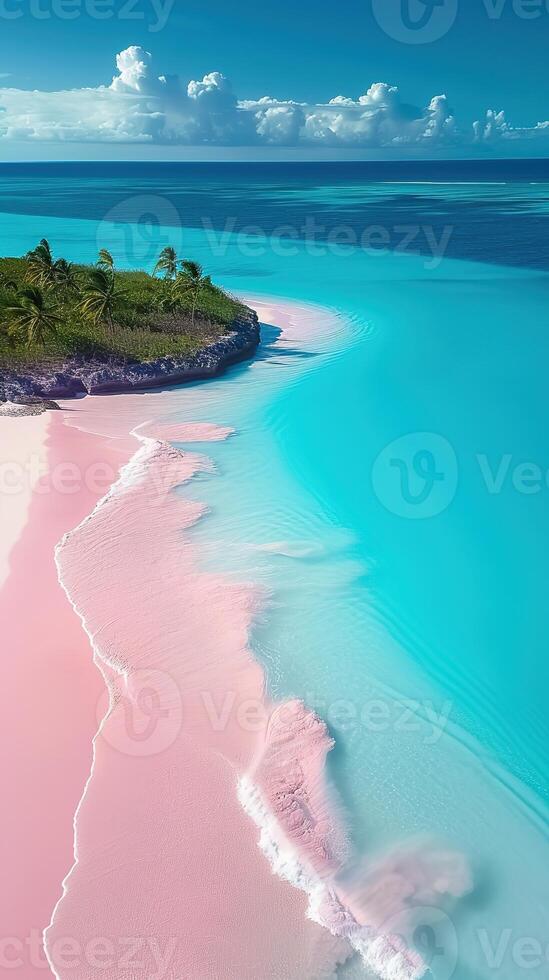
78,376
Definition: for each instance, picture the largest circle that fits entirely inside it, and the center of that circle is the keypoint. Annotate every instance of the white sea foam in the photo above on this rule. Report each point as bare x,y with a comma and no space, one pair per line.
386,955
372,903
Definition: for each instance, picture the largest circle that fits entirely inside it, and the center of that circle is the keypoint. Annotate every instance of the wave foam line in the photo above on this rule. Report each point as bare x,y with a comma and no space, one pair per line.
287,795
149,843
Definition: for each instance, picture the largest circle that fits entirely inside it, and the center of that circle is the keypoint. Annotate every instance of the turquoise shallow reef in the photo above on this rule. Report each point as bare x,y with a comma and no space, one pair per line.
388,483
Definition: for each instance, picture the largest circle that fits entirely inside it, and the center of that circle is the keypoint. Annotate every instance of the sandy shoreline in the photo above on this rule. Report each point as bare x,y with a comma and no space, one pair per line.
51,687
86,444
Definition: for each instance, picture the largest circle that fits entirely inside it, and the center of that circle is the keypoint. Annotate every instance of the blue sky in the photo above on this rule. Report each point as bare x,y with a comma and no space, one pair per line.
493,55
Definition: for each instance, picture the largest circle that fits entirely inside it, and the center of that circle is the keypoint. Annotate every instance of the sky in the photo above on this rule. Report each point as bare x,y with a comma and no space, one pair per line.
410,78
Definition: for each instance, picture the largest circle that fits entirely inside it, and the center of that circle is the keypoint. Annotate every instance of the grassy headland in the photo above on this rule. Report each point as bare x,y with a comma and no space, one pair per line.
52,309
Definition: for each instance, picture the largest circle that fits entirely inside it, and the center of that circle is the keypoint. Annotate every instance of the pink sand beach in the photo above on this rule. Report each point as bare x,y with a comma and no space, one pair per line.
50,688
168,878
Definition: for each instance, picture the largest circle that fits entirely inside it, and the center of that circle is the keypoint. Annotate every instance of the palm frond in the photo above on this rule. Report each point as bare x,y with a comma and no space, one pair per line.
167,263
33,316
105,259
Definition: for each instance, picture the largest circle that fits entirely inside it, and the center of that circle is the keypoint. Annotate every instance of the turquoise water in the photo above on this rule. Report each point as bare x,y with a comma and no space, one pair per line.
387,483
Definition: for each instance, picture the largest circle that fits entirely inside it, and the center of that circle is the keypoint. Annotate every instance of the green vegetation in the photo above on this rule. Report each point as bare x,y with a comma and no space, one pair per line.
51,309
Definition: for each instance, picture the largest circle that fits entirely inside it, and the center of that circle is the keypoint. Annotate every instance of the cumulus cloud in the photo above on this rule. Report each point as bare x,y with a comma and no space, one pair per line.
494,128
139,106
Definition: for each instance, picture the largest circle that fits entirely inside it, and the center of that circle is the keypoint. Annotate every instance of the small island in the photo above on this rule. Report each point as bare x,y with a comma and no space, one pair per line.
69,329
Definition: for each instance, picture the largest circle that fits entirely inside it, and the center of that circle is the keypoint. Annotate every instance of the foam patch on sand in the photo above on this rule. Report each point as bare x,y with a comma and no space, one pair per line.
287,795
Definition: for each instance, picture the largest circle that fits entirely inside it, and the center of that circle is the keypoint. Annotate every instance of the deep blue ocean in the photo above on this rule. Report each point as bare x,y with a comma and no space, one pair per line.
390,484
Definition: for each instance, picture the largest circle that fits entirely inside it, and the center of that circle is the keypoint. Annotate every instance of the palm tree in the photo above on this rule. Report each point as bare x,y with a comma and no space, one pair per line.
167,263
191,281
40,265
65,276
100,298
33,316
105,260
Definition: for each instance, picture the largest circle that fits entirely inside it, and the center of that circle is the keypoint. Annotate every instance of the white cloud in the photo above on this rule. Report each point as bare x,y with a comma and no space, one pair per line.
140,106
495,128
134,72
279,123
